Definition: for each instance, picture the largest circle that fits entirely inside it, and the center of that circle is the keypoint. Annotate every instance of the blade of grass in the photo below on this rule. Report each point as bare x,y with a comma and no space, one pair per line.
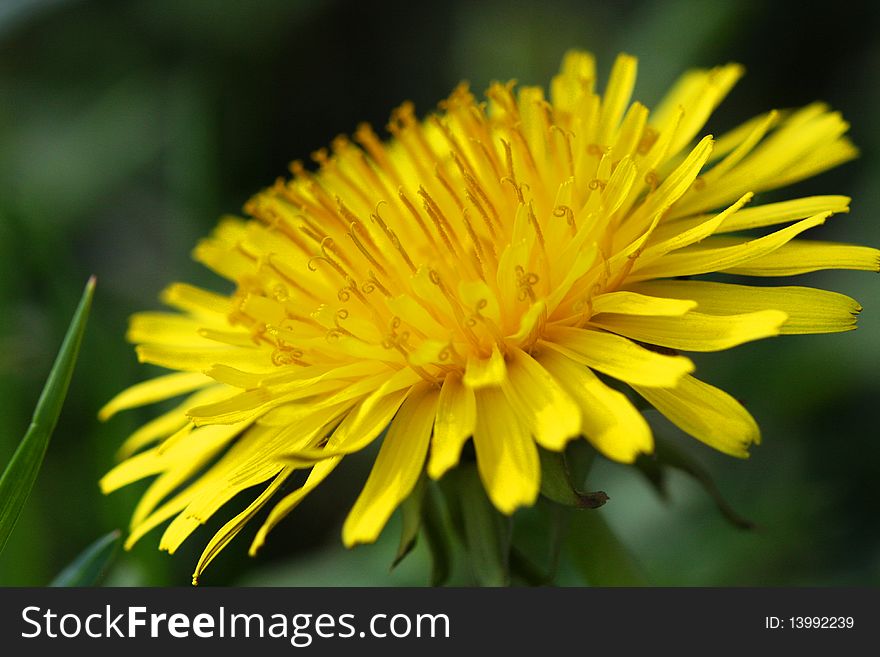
91,564
21,472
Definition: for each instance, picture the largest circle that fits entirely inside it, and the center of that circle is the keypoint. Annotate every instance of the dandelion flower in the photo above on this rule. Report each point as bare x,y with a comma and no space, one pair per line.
482,275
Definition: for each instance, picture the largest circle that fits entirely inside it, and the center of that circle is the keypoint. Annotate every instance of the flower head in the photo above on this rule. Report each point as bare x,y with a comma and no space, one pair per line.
482,275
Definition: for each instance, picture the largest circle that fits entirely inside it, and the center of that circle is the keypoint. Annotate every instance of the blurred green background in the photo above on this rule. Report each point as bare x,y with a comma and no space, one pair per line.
128,126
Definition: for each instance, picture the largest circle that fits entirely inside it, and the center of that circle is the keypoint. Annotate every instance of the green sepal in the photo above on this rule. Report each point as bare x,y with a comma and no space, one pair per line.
557,485
667,454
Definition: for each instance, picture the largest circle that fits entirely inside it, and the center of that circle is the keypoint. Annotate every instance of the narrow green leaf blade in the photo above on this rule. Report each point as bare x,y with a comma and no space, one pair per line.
21,472
91,564
556,484
412,521
599,555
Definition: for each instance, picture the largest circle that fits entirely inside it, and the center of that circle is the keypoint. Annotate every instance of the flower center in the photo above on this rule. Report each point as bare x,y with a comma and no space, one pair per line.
459,239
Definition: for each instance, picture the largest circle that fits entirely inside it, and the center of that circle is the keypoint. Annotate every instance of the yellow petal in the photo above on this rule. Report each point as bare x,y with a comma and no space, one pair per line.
187,522
580,265
618,357
166,328
514,257
808,141
760,216
619,185
166,511
827,156
183,526
548,411
743,148
375,386
252,460
577,74
801,256
609,421
706,413
192,359
809,310
777,213
414,314
365,422
688,86
159,427
292,377
616,96
396,470
477,295
507,458
693,235
483,372
630,133
532,320
178,470
205,486
196,301
252,404
719,253
289,502
154,390
137,467
695,331
360,427
241,406
705,96
672,188
731,139
428,352
454,424
199,440
631,303
232,528
218,252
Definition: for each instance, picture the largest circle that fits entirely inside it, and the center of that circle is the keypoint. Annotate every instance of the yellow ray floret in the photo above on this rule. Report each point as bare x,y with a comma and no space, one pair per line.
511,272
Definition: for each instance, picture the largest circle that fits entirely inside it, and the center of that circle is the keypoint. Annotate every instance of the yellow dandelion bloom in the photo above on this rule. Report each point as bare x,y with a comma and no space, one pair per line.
482,275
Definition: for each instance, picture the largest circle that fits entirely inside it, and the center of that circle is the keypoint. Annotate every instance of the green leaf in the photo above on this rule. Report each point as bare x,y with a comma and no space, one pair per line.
436,533
91,564
21,472
485,530
670,455
556,483
599,555
412,521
